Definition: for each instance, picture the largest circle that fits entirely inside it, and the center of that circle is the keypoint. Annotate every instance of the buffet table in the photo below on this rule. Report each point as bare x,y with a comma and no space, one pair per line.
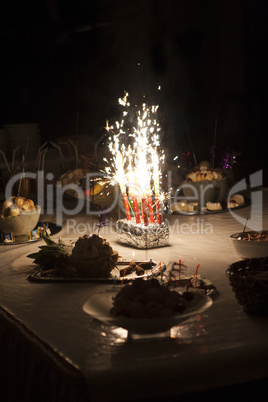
52,350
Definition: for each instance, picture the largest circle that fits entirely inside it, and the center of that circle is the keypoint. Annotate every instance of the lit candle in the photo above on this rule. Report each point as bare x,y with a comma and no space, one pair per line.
125,200
150,208
136,209
144,211
132,191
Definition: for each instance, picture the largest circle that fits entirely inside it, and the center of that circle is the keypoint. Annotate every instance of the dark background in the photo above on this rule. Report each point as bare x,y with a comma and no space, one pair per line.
65,63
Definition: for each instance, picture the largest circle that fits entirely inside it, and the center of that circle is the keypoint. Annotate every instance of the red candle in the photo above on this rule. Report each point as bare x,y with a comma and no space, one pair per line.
195,275
136,209
144,211
150,207
158,211
125,200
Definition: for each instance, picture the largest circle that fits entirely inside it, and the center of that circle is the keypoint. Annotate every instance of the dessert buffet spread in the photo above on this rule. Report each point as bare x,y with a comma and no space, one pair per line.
89,258
92,258
132,182
205,190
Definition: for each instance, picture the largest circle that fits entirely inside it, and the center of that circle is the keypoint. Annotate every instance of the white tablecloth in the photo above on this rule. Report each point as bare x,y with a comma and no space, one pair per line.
219,348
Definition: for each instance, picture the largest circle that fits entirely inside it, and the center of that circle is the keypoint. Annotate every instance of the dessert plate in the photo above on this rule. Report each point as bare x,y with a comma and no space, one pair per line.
99,306
209,212
38,276
190,213
226,209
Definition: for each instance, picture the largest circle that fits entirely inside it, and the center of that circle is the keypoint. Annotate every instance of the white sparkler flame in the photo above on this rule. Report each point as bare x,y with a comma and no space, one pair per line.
139,164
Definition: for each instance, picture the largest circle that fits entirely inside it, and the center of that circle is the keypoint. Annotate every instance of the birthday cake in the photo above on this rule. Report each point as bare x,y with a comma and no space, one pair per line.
141,236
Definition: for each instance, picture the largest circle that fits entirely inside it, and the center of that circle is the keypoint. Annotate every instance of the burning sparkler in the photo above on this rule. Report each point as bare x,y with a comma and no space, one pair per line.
137,160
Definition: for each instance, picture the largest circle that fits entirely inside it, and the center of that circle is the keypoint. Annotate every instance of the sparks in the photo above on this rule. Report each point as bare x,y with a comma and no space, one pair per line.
137,159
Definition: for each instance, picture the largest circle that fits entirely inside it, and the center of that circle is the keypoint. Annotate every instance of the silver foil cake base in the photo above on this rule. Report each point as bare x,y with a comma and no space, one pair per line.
140,236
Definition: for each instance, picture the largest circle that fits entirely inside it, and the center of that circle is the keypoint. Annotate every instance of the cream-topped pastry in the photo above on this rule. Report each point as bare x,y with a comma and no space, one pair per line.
217,175
191,176
193,206
184,206
204,174
205,184
93,256
210,175
235,201
213,206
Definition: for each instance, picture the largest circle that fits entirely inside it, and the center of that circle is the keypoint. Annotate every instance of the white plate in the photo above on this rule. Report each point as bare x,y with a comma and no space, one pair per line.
99,306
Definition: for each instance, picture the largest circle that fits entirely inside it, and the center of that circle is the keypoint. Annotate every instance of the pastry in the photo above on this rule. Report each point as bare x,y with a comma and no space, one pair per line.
235,201
93,257
191,176
15,206
193,207
217,175
184,206
213,206
205,184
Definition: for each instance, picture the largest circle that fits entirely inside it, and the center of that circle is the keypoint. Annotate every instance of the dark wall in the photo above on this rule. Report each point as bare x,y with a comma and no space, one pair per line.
64,64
